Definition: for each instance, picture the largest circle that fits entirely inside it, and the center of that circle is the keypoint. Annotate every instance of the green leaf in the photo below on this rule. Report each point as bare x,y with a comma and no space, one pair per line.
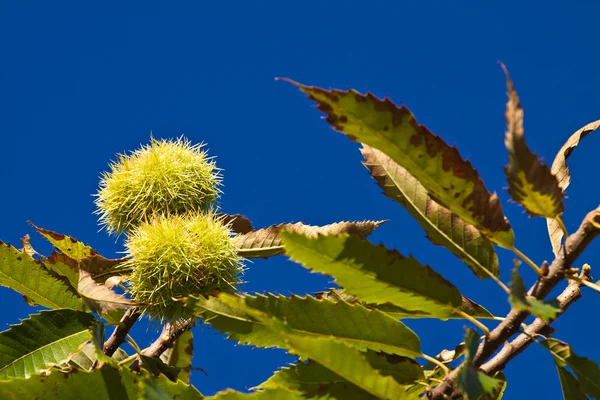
267,242
345,361
563,176
157,367
518,299
20,272
353,325
530,182
586,370
472,382
375,274
67,245
439,167
87,356
180,355
467,306
64,266
498,392
311,378
442,226
570,387
106,383
42,339
269,394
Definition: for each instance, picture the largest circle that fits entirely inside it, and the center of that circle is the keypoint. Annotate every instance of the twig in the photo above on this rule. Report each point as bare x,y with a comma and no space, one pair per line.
573,247
538,327
168,336
121,331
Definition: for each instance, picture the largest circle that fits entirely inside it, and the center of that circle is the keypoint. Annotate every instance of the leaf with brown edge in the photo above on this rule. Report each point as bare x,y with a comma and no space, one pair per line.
443,227
98,296
38,285
67,245
530,182
561,171
439,167
266,242
237,222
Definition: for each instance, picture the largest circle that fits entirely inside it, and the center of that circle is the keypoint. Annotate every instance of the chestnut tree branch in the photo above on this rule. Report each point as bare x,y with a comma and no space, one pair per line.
571,294
121,331
574,245
170,333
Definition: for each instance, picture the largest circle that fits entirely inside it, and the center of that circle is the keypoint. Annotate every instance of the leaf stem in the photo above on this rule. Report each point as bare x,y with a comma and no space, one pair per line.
438,363
561,223
527,261
473,320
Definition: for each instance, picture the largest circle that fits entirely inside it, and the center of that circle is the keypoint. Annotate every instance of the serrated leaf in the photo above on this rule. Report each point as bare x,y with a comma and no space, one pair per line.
586,370
64,266
345,361
44,338
472,382
312,379
353,325
88,355
20,272
439,167
180,355
375,274
268,394
530,182
443,227
563,176
267,242
236,222
518,299
106,383
569,385
467,306
157,367
67,245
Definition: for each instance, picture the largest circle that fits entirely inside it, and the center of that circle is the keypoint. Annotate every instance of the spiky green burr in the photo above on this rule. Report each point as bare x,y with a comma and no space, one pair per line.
180,255
163,177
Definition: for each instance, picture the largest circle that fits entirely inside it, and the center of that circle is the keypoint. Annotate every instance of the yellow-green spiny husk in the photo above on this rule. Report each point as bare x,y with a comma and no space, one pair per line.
162,177
180,255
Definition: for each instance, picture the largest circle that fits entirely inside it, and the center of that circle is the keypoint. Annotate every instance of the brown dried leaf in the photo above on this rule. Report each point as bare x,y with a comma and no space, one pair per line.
98,296
237,223
266,242
561,171
26,246
530,181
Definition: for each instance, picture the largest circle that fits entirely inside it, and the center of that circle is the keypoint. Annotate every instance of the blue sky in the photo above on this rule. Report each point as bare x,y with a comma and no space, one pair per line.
80,82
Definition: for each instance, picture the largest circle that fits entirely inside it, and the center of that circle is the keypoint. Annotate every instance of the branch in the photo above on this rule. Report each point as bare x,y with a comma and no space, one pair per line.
121,331
168,336
571,294
571,250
